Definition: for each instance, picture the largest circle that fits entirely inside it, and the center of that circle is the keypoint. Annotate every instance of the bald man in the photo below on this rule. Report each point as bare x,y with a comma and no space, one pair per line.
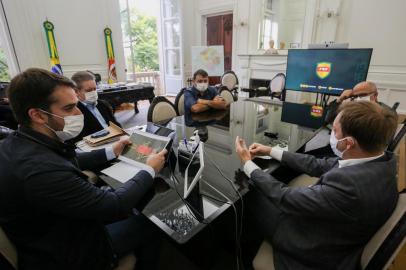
361,91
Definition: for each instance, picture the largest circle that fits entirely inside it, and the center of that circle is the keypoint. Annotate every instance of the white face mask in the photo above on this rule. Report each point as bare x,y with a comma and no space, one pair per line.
91,97
364,98
202,86
334,142
72,128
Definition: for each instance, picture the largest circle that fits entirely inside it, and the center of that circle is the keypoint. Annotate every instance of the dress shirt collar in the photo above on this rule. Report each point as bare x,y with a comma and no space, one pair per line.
88,105
349,162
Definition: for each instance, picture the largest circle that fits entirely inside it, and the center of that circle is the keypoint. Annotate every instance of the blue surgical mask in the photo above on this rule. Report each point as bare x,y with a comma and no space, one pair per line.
333,143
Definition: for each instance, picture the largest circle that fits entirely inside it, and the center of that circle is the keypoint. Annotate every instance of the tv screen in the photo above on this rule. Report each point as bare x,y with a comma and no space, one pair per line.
327,71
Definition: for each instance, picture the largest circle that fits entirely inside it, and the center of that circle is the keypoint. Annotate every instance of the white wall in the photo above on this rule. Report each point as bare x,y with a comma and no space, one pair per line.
373,24
78,32
379,25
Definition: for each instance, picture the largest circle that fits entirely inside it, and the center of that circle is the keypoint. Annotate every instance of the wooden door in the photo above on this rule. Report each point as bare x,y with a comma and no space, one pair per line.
220,32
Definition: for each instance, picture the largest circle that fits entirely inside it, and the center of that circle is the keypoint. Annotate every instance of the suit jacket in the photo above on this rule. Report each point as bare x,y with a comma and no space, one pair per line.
49,210
91,124
326,226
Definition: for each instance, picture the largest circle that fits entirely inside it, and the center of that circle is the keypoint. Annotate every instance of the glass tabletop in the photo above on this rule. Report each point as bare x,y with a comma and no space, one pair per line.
221,182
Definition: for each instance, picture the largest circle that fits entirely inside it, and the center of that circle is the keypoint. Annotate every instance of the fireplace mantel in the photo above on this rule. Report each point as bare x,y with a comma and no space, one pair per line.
257,66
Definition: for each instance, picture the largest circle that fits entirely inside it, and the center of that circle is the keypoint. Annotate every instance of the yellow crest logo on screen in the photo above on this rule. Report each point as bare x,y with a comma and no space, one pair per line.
323,69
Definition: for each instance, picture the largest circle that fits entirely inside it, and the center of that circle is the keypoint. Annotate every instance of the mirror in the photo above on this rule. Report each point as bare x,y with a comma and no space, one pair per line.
282,23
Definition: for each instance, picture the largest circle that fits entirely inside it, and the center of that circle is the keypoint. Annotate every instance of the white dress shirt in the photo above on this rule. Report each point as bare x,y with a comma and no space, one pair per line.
277,154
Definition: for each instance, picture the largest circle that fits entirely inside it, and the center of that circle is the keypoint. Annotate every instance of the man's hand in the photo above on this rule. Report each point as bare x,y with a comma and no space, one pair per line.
218,98
242,150
203,101
257,149
157,161
345,95
118,147
218,103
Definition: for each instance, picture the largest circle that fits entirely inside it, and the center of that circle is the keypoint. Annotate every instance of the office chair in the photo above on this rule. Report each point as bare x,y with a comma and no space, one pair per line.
6,116
383,247
227,96
229,81
9,253
395,106
161,109
277,86
4,132
180,102
378,253
397,138
3,89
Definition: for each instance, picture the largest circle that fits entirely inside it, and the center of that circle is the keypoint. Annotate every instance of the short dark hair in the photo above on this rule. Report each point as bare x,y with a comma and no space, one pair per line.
200,72
372,125
82,76
33,89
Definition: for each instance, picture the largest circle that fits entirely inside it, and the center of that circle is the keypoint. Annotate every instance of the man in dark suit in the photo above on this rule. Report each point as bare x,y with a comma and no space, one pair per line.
326,225
97,113
52,214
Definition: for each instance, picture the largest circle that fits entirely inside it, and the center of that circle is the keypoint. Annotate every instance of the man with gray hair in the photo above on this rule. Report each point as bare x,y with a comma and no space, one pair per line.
97,113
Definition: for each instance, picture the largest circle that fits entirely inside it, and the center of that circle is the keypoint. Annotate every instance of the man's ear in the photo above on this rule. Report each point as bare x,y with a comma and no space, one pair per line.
37,116
352,142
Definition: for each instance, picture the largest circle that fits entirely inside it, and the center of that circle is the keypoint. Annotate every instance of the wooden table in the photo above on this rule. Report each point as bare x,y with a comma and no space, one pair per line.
122,94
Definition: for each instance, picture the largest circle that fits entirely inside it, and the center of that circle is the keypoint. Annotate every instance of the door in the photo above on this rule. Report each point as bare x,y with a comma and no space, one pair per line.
172,46
220,32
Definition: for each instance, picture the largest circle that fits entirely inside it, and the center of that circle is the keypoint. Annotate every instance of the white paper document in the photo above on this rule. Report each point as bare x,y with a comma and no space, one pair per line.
121,171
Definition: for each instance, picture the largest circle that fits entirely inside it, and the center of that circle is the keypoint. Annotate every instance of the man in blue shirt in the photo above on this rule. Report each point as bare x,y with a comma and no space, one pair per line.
202,97
97,113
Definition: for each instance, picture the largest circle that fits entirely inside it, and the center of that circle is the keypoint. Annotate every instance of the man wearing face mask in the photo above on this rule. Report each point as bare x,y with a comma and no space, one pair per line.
202,97
327,225
366,91
97,113
52,214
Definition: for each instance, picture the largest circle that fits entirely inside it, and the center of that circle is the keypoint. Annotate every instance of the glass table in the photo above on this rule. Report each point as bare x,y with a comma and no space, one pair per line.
222,181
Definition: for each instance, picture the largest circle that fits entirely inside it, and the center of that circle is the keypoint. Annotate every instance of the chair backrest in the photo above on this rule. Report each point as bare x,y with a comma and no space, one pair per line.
227,95
229,80
4,132
277,86
7,249
397,138
161,109
395,106
180,102
386,242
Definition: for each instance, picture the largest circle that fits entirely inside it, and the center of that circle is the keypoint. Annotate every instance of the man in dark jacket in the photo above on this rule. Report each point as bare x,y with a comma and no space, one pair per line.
97,113
52,214
327,225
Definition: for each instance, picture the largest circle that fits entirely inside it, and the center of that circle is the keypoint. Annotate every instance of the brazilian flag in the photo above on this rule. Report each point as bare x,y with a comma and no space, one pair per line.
53,51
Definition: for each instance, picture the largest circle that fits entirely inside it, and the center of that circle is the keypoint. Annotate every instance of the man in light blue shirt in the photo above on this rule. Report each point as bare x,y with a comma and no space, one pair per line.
97,113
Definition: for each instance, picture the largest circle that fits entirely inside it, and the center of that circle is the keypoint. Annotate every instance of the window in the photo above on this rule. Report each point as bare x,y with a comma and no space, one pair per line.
172,36
4,72
140,37
268,28
172,44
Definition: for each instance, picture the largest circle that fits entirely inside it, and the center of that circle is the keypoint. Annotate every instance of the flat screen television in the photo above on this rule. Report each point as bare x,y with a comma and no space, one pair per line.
326,71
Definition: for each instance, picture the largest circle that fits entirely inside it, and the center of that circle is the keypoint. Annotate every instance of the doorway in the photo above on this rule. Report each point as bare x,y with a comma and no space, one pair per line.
220,32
